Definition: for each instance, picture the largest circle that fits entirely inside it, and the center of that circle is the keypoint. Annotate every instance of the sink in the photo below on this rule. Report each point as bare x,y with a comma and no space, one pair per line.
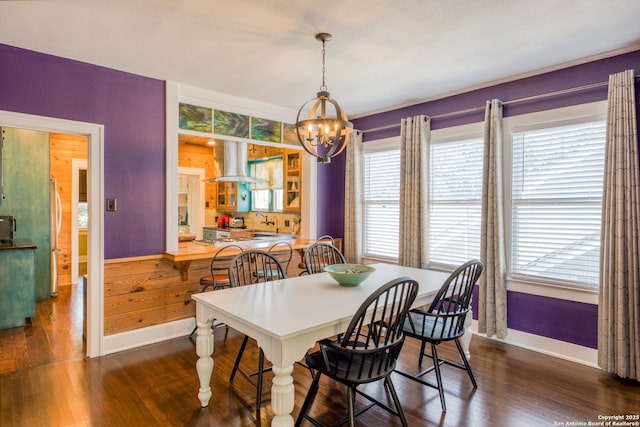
270,235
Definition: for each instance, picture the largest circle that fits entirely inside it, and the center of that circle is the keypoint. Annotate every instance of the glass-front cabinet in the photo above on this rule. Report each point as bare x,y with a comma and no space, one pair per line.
293,184
226,198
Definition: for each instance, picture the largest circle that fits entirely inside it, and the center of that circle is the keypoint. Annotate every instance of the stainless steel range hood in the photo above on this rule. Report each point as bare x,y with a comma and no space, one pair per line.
235,164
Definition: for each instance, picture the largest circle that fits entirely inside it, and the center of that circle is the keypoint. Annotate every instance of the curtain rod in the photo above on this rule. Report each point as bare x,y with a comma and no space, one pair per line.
513,101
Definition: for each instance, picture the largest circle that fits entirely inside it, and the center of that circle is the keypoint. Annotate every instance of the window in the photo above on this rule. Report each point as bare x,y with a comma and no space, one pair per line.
267,195
455,201
83,215
556,201
381,199
553,170
455,197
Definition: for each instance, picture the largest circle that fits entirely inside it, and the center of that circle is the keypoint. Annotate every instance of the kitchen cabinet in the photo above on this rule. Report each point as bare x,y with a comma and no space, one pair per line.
226,197
17,282
292,180
212,233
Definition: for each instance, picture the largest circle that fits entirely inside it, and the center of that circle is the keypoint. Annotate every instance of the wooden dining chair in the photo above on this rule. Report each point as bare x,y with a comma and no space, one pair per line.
443,321
321,254
324,238
283,252
367,351
219,268
243,270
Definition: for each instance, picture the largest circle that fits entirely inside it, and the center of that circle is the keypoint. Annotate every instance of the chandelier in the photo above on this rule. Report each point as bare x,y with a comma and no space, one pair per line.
323,134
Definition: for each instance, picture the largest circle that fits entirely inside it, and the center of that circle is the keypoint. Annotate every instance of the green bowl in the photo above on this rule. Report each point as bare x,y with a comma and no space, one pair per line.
349,274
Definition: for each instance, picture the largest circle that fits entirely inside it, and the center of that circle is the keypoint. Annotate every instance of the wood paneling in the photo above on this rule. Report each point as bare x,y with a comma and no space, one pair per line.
65,148
148,291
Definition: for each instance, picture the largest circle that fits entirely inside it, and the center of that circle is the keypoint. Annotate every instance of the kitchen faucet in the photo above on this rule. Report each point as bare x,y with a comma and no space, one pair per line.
266,219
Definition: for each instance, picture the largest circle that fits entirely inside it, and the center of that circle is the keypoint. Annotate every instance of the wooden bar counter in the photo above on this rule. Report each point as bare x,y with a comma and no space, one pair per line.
190,251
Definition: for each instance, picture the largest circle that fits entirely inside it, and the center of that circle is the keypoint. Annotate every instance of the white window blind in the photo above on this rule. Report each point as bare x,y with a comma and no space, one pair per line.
381,203
556,202
455,189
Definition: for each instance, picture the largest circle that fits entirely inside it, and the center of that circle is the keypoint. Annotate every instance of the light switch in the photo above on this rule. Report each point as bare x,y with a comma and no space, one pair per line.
112,205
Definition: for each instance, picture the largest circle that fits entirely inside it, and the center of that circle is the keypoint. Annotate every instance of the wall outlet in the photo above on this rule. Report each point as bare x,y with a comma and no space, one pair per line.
112,205
286,223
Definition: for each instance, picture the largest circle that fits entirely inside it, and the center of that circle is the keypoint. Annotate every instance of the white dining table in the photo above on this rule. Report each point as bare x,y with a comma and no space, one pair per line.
287,317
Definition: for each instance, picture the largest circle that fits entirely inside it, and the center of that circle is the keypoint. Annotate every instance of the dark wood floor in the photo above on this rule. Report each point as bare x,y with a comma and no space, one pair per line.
45,381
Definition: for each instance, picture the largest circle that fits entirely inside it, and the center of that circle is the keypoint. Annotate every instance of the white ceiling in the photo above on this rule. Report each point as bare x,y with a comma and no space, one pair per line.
383,53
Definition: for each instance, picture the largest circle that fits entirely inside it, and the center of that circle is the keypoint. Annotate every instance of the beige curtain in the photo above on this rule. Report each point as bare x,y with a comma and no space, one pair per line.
414,163
619,299
352,244
492,304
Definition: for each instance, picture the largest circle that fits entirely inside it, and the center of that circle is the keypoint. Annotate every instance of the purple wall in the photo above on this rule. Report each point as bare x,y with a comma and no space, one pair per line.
132,110
569,321
563,320
331,197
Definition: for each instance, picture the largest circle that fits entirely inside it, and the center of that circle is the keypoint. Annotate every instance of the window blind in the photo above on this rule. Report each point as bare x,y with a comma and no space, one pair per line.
381,204
556,202
455,191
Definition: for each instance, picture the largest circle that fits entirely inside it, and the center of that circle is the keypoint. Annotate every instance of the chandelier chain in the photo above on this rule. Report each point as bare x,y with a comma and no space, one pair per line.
324,85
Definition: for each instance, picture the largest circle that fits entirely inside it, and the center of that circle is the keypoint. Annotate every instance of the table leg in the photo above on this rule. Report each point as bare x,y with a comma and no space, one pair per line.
204,365
282,396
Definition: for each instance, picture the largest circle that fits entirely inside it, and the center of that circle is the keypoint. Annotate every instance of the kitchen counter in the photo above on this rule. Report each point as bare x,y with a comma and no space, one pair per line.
186,237
18,244
189,251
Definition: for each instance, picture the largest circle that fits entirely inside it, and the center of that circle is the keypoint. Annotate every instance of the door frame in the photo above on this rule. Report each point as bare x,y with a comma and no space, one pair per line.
95,236
76,166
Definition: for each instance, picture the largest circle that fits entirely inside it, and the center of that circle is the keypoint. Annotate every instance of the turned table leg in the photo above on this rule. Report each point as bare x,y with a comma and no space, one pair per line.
282,396
204,365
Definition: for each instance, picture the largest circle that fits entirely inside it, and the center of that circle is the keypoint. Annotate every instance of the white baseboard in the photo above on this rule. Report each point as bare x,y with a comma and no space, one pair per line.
149,335
180,328
563,350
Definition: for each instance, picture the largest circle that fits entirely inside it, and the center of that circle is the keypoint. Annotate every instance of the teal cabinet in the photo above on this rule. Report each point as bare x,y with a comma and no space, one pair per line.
26,187
17,283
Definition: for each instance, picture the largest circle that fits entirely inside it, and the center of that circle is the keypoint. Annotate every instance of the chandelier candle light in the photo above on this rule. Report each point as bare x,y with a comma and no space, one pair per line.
321,135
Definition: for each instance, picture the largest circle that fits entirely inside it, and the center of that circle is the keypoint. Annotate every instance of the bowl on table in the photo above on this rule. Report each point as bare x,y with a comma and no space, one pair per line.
349,274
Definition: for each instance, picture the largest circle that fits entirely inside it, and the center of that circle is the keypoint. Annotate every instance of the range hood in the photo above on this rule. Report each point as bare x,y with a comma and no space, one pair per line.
235,164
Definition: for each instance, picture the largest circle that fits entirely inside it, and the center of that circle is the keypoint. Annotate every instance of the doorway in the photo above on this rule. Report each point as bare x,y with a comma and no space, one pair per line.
67,160
95,180
191,210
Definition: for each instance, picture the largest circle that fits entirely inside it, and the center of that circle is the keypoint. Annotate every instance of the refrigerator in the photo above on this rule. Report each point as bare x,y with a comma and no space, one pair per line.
55,223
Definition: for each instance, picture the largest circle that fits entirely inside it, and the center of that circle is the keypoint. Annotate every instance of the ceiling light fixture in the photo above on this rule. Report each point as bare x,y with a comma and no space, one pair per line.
323,135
